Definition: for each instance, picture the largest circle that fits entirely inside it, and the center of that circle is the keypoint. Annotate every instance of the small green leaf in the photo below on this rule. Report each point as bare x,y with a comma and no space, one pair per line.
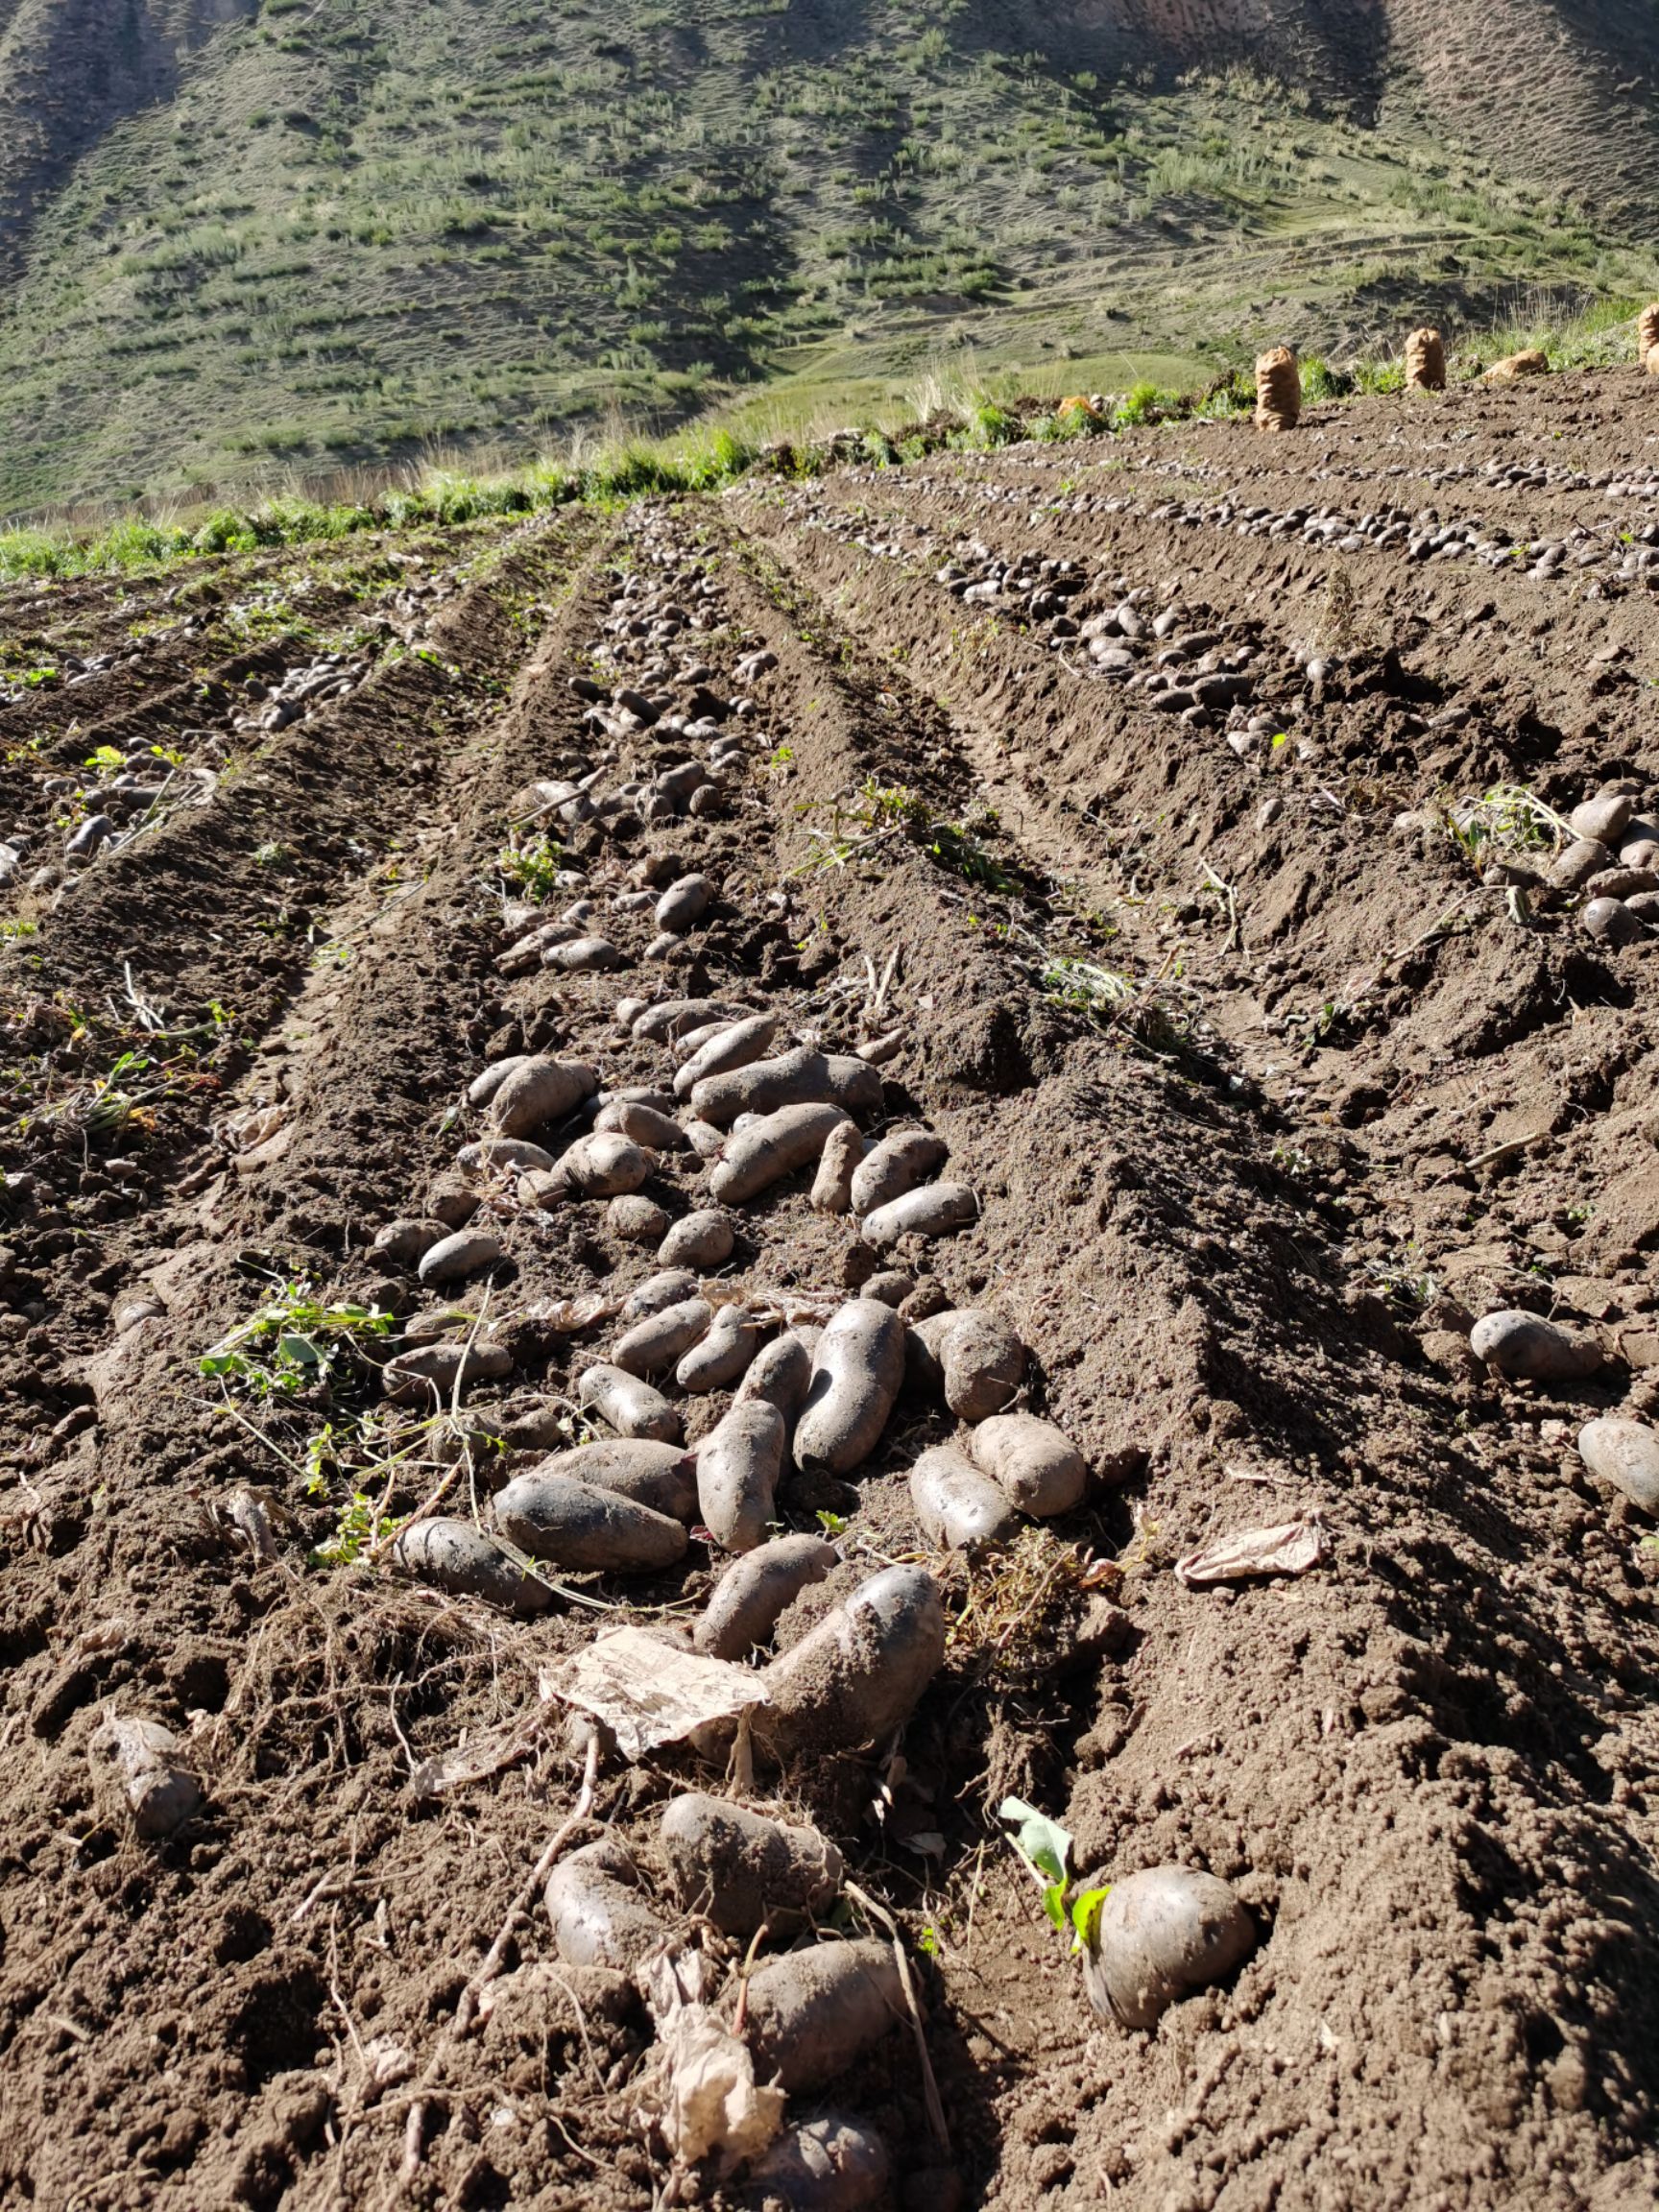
1054,1904
1042,1842
1086,1912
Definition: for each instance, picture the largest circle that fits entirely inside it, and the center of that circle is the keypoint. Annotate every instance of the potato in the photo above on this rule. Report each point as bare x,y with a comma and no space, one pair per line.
755,1591
672,1287
408,1241
599,1916
703,1139
724,1353
812,2013
831,2164
429,1374
136,1764
644,1124
738,1463
733,1045
453,1258
832,1188
577,1526
901,1162
683,904
971,1359
661,1475
636,1219
538,1092
491,1154
891,1287
453,1555
936,1210
604,1165
1521,1344
741,1870
703,1239
632,1407
856,1372
585,957
1039,1468
654,1345
956,1505
856,1675
781,1372
482,1088
1624,1454
798,1078
672,1018
771,1147
1162,1935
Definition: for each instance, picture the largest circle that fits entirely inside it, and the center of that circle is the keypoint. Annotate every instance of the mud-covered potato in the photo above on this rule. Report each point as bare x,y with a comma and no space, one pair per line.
936,1210
540,1092
703,1239
453,1555
857,1674
580,1527
672,1287
739,1870
796,1078
732,1044
601,1165
722,1355
738,1463
429,1374
466,1252
856,1373
831,2164
646,1125
1524,1345
956,1505
813,2013
661,1475
631,1406
672,1018
755,1591
971,1359
781,1373
136,1763
833,1185
899,1162
654,1345
1162,1935
768,1149
1039,1467
600,1917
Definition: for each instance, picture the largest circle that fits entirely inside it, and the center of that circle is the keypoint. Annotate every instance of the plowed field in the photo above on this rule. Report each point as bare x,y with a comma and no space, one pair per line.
1179,825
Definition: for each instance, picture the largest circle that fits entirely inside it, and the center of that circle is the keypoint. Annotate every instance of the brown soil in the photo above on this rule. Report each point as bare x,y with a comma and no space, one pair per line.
1243,1218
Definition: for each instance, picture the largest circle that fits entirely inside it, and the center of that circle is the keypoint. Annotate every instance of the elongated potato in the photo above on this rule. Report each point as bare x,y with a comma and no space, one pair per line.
683,904
574,1525
812,2013
781,1373
770,1148
831,2164
734,1045
661,1475
738,1463
408,1241
672,1018
601,1165
901,1162
703,1239
453,1555
956,1505
739,1870
1162,1935
538,1092
856,1372
832,1186
464,1252
600,1917
652,1346
1040,1469
429,1374
722,1355
647,1127
493,1153
936,1210
857,1673
755,1591
672,1287
971,1359
798,1078
631,1406
482,1088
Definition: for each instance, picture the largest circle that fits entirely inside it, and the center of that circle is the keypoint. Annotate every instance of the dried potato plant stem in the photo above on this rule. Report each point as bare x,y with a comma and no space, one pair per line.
465,2011
912,2003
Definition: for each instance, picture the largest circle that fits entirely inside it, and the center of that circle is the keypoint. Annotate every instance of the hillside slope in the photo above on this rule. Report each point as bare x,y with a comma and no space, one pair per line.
348,235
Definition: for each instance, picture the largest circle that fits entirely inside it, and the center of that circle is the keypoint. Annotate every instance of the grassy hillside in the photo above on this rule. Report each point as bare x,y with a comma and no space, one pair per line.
358,232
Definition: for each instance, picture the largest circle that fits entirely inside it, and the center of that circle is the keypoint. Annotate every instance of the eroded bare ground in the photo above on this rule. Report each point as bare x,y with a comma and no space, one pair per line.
1269,1085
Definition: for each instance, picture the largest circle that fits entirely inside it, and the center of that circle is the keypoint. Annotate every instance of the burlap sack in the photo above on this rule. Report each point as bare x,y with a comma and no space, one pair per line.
1648,336
1532,363
1426,361
1278,390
